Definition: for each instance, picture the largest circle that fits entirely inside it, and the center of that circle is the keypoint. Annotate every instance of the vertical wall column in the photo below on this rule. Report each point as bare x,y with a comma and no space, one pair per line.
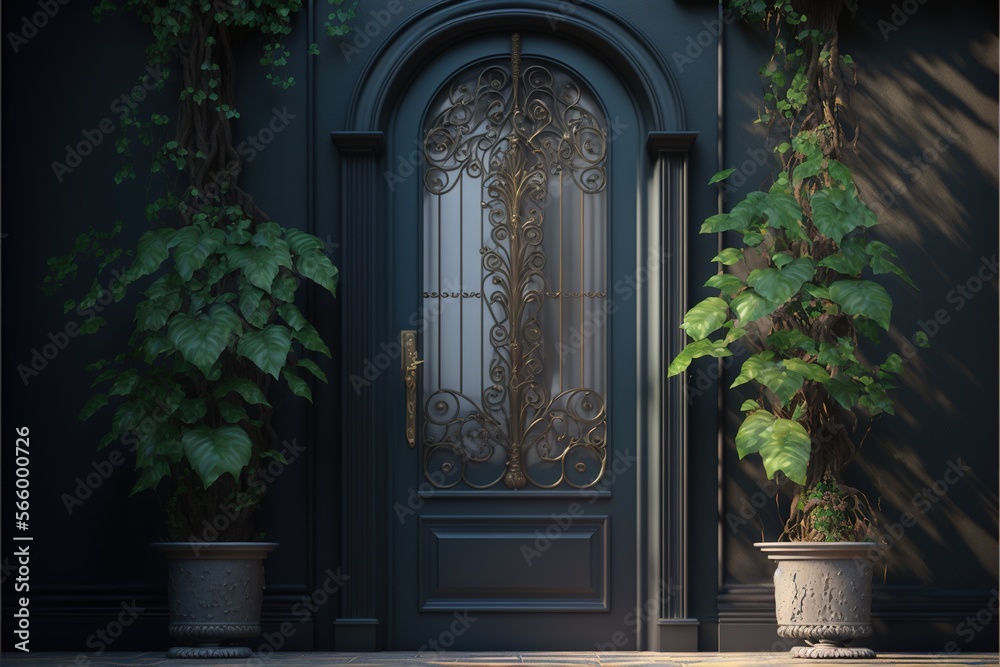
675,632
362,537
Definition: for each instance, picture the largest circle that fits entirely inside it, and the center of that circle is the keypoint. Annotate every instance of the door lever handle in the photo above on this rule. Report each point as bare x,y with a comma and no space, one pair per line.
408,345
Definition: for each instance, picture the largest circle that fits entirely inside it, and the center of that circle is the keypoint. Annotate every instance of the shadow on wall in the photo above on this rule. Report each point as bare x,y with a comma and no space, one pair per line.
926,162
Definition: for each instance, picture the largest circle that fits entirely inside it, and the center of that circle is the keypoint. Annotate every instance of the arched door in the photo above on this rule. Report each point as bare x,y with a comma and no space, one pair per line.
513,206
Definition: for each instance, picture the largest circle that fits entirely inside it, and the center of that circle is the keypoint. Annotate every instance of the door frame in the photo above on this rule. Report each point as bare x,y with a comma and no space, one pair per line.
367,336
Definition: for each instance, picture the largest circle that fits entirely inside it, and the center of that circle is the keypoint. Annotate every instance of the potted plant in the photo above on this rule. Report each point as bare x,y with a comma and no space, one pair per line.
802,291
218,336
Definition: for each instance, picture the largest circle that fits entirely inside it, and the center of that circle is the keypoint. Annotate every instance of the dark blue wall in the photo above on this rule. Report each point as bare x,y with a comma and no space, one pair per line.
927,100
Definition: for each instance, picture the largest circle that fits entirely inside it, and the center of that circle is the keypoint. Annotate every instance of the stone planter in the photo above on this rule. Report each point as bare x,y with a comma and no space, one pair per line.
822,594
216,590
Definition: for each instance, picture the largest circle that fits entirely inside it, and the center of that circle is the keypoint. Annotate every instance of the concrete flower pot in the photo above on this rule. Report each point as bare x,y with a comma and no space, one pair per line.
823,594
216,590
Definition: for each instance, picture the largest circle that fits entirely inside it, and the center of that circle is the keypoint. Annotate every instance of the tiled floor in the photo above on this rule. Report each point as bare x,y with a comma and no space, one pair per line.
495,659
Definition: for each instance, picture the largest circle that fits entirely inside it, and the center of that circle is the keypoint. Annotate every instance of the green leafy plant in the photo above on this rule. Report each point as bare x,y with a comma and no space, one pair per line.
218,335
803,283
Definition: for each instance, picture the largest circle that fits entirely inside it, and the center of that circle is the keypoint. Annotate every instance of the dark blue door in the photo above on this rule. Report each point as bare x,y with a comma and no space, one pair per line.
513,195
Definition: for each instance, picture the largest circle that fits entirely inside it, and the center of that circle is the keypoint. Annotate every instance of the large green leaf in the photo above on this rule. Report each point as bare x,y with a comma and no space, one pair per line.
720,222
313,368
298,386
784,212
214,452
310,339
267,348
747,215
127,417
865,298
156,345
201,339
881,265
783,444
259,265
303,242
721,176
778,285
125,384
836,213
694,350
750,306
150,253
809,371
150,475
783,382
729,256
231,412
152,314
248,391
254,307
93,404
284,287
266,234
764,369
317,267
791,339
705,317
163,441
292,315
788,451
754,432
163,286
192,248
844,391
191,410
849,260
726,283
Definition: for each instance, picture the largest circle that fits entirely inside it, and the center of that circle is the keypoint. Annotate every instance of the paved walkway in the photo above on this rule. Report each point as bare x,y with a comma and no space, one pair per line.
496,660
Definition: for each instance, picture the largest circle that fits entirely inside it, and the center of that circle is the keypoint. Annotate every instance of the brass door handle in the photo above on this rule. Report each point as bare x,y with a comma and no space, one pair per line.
408,344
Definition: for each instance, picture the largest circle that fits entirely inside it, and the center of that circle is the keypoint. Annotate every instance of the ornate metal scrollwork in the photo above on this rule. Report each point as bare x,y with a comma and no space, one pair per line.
512,133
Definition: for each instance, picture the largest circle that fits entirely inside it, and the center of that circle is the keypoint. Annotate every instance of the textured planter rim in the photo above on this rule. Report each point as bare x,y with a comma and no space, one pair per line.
819,550
215,550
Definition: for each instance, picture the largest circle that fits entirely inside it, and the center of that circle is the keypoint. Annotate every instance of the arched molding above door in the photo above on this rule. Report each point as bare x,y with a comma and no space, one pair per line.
600,30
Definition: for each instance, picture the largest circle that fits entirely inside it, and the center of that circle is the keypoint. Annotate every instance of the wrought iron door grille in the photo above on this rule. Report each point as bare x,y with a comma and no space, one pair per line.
515,213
